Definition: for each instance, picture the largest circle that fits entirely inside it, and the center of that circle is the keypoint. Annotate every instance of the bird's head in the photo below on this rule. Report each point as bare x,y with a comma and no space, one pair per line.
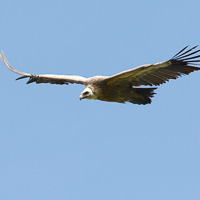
87,94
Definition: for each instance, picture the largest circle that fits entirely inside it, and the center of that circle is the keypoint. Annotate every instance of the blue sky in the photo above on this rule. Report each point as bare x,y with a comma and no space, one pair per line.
52,146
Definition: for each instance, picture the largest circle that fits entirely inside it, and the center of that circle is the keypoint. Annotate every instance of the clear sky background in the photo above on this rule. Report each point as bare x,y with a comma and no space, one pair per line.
53,146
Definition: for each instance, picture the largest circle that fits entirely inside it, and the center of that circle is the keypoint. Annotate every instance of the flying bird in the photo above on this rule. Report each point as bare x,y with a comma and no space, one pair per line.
125,86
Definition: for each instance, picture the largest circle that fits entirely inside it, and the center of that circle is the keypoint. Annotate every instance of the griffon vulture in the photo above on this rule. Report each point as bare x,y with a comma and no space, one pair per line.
124,86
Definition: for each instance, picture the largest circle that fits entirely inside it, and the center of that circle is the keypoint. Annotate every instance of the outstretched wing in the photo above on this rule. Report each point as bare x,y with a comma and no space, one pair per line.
159,73
46,78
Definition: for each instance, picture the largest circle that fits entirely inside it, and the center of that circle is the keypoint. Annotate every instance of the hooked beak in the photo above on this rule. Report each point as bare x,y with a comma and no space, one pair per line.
81,97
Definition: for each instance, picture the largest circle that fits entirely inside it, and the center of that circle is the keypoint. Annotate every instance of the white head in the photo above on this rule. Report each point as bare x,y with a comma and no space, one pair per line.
87,94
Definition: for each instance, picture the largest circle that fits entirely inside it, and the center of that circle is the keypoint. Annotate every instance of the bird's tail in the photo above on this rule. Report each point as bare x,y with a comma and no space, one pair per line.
141,95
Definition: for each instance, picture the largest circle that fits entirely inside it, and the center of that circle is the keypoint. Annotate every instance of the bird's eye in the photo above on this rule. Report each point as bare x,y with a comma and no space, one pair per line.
86,93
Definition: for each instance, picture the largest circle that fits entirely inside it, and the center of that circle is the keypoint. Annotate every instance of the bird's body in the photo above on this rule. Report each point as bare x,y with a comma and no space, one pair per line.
123,87
118,93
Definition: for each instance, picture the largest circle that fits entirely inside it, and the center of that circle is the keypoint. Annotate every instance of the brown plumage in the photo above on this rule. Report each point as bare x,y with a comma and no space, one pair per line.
123,87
